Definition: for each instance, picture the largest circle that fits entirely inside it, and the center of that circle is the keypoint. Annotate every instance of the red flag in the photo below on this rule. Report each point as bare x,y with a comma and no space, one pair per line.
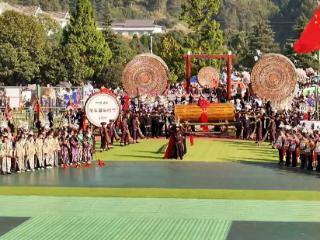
309,40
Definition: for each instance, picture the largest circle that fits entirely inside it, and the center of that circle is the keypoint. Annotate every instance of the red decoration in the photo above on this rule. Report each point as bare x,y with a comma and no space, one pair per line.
65,166
126,103
106,90
204,115
87,165
76,165
101,163
309,40
191,140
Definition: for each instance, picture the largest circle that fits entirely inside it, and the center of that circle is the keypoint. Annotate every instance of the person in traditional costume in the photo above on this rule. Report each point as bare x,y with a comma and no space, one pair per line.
279,146
104,137
317,151
56,150
39,151
111,131
6,155
30,152
286,146
135,128
124,132
20,154
258,130
303,147
65,152
179,144
48,150
87,150
294,146
74,147
246,127
80,141
310,152
273,131
171,152
92,140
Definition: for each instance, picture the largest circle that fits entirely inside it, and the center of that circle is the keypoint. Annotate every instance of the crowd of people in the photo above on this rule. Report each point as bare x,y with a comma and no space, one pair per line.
26,151
298,146
153,117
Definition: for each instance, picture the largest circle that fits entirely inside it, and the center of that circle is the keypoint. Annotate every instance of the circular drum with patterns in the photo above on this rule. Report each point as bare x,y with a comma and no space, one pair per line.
274,77
208,76
146,74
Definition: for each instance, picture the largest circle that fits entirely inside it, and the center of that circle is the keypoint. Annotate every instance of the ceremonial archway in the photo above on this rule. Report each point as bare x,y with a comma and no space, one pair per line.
227,57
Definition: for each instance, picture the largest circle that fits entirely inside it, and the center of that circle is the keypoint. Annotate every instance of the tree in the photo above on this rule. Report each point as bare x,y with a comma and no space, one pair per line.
239,44
122,53
138,46
206,36
23,44
171,52
86,51
261,37
241,15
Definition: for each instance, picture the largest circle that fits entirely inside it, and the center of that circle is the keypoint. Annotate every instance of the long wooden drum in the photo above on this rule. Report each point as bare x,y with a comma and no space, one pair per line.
216,112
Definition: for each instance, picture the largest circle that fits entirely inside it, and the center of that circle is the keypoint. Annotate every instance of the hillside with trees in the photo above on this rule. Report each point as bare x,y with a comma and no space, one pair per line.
215,26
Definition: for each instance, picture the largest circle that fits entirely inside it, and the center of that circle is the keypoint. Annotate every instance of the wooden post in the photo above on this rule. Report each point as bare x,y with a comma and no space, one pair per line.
188,71
229,73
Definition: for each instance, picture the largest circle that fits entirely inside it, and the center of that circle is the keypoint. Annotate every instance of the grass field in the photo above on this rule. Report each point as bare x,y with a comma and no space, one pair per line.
204,150
162,193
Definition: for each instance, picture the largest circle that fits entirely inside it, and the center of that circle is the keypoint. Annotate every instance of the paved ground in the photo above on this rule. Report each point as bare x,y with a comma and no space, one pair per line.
194,175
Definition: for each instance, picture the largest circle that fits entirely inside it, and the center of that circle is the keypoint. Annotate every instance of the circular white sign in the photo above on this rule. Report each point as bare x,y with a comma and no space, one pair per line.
102,107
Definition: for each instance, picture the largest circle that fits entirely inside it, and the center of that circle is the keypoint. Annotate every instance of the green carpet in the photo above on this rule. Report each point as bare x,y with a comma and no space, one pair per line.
138,219
204,150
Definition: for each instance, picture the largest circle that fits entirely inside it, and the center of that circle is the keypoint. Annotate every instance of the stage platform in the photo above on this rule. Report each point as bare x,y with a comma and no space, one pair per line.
173,174
228,198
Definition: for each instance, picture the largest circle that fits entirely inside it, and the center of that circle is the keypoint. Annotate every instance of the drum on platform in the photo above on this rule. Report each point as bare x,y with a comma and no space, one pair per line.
216,112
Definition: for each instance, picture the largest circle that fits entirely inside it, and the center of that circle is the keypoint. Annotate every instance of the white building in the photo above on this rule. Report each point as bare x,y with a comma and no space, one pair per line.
137,27
127,28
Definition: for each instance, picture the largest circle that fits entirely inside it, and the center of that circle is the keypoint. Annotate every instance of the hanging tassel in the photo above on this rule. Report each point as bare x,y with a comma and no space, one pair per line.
87,165
191,140
100,163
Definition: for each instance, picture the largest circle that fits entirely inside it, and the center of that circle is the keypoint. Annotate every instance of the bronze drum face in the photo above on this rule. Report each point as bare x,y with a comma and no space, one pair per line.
274,77
209,76
146,74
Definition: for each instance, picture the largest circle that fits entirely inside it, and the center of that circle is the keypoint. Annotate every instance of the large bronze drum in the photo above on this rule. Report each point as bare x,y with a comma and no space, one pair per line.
216,112
274,77
146,74
208,77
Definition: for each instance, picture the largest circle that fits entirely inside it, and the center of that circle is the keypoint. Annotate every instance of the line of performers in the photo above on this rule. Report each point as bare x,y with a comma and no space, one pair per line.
128,127
299,146
28,151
